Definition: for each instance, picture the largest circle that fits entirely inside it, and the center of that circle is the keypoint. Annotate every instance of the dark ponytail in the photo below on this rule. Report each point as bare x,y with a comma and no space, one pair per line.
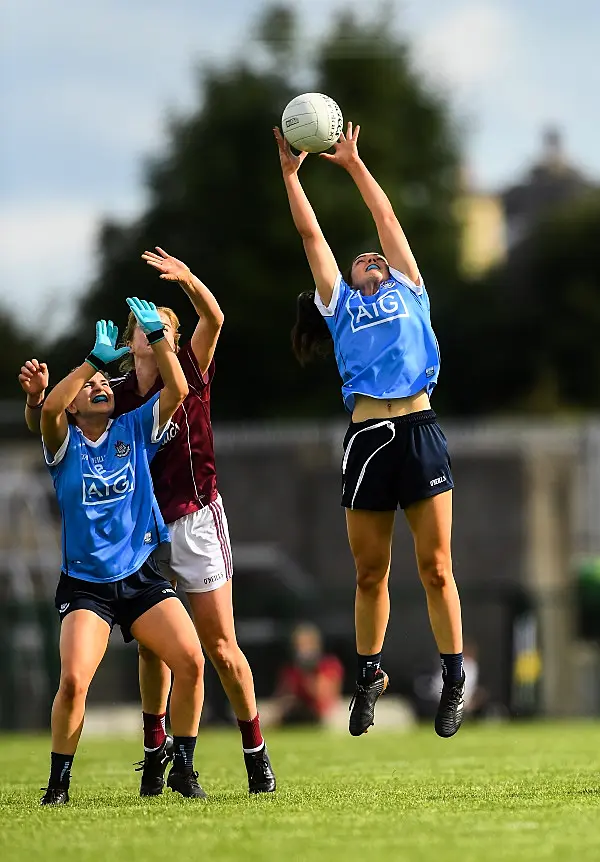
311,338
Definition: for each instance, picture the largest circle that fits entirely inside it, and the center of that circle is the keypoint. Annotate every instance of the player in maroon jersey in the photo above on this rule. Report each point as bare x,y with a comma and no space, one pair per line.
185,485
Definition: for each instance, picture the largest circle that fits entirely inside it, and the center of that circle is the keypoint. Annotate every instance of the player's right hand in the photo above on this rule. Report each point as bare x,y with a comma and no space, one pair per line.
106,339
34,377
146,314
290,163
170,268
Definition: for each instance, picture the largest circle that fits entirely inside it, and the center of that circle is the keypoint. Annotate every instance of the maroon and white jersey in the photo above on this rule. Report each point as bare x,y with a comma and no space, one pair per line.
183,469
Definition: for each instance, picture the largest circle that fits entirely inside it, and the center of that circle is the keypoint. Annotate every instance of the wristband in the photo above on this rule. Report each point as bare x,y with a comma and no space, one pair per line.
96,362
155,335
37,406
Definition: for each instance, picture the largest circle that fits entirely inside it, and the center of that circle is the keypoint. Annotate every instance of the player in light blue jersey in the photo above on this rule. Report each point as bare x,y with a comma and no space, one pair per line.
378,320
115,545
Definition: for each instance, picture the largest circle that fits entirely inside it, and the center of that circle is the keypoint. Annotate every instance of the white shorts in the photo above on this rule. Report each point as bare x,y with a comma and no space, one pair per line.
200,549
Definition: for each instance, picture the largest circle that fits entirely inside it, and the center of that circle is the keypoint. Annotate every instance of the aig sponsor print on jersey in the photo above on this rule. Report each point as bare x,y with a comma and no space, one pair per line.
393,328
108,488
388,305
109,536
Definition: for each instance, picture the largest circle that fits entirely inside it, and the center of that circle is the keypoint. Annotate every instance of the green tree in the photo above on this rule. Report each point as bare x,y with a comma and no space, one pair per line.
217,201
17,347
527,338
556,282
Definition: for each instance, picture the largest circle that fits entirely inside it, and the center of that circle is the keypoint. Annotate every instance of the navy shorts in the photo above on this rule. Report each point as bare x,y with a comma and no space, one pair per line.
118,602
394,462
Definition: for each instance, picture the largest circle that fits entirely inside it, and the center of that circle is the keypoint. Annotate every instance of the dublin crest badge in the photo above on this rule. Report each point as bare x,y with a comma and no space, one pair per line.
122,450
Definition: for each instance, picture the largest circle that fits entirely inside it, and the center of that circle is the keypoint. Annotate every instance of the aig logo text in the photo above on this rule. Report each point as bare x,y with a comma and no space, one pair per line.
388,306
108,488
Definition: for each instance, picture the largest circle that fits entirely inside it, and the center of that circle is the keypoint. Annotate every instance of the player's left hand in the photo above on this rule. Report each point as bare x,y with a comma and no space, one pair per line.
169,267
346,150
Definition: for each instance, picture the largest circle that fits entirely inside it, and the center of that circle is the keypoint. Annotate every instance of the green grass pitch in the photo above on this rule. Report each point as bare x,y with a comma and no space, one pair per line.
498,792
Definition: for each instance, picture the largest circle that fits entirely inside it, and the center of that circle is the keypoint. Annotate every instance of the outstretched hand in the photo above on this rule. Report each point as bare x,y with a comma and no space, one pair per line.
34,377
105,347
346,149
290,163
170,268
147,316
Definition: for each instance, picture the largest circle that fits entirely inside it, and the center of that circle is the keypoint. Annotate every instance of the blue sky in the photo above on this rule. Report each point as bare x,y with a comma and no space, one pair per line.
85,88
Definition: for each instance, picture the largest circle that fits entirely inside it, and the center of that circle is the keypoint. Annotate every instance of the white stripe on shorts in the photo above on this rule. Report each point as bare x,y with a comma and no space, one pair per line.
361,476
217,513
219,531
200,549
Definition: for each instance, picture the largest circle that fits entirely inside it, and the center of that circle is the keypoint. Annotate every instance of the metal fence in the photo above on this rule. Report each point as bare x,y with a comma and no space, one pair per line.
526,504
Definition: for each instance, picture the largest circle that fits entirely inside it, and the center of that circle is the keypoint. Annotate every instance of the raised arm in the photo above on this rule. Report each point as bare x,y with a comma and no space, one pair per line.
34,379
53,421
54,425
175,388
391,236
210,316
320,257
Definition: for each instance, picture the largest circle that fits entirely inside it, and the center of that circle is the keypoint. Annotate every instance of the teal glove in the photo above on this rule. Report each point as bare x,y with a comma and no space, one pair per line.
104,349
148,318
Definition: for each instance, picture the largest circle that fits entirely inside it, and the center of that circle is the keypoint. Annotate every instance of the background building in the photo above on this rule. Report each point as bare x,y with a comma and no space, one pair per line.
551,182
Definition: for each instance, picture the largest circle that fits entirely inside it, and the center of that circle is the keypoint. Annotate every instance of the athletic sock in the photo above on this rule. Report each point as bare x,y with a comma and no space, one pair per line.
183,753
154,730
252,738
368,665
60,770
452,666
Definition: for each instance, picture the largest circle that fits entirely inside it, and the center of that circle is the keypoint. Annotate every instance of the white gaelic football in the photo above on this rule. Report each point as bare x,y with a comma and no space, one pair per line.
312,122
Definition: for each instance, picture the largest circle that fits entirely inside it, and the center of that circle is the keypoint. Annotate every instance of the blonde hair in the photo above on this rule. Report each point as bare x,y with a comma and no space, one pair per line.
128,362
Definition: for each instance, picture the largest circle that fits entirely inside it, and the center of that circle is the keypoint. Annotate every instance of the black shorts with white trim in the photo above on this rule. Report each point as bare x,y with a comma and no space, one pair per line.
394,462
118,602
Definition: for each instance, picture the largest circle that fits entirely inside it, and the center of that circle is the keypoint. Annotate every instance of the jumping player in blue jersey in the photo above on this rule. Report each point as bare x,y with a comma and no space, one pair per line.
394,451
115,545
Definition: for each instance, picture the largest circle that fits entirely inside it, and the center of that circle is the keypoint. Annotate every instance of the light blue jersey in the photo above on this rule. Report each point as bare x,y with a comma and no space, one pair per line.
111,522
384,344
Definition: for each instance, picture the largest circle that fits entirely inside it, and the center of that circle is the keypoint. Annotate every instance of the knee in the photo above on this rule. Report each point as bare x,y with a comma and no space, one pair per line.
72,687
146,655
190,667
224,655
371,574
435,573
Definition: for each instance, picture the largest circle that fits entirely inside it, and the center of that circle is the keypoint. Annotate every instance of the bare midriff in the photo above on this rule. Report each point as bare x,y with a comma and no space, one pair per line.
366,407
